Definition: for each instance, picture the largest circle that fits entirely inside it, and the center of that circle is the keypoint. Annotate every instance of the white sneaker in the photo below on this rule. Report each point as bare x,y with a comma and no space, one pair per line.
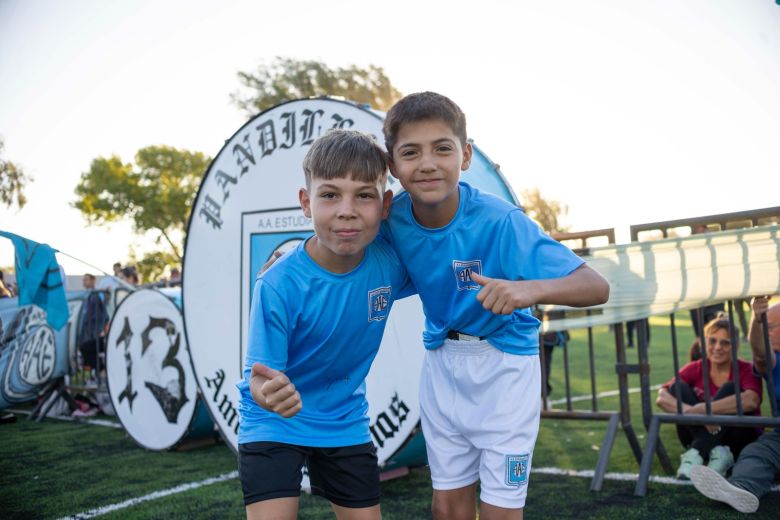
688,460
80,414
721,459
713,485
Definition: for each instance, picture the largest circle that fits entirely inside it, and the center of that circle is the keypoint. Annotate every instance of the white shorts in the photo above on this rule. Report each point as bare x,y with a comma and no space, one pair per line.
480,410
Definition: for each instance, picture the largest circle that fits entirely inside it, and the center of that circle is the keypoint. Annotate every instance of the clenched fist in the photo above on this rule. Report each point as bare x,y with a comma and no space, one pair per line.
274,391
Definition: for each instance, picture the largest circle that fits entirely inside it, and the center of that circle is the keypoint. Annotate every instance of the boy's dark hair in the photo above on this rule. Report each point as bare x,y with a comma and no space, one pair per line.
341,153
423,106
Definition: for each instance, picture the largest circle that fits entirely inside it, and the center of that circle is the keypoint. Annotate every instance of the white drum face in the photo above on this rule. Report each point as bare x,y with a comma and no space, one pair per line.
149,373
246,208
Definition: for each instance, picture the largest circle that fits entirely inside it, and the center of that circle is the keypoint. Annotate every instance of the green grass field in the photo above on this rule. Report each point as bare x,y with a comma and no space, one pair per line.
55,469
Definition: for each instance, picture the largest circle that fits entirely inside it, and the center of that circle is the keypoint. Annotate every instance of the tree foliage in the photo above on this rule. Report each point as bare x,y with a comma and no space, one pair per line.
151,267
12,182
156,193
545,212
285,79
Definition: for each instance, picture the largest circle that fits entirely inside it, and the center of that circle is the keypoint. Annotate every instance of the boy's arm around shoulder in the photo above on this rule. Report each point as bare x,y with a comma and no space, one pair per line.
580,288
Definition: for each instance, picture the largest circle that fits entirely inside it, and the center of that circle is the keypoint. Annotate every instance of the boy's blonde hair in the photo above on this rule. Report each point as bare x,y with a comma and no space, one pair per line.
345,153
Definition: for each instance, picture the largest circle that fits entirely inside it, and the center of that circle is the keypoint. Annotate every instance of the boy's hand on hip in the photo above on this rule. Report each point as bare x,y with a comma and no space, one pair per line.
504,296
274,391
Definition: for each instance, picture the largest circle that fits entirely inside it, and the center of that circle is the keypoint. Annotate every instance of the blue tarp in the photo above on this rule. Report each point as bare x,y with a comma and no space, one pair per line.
38,278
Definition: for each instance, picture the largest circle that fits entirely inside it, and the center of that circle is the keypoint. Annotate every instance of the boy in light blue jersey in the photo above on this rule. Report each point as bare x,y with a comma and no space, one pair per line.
316,323
479,264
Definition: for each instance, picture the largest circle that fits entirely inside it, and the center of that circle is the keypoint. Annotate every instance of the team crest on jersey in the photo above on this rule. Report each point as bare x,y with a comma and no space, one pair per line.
463,271
378,303
516,470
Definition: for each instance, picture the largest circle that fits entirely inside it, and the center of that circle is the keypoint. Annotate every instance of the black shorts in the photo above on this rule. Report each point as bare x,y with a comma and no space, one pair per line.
347,476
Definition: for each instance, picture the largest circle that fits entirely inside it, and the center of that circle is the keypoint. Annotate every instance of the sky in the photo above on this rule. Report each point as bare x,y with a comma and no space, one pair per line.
628,111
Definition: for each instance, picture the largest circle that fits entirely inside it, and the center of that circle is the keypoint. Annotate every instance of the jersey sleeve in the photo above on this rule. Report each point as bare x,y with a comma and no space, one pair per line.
404,282
385,231
268,336
407,287
748,379
687,375
528,253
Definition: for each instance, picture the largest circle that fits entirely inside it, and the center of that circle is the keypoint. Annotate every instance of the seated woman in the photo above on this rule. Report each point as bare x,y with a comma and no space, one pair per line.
719,446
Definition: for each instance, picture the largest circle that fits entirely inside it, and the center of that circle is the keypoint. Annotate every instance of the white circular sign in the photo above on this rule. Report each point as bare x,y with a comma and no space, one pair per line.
148,369
36,361
247,207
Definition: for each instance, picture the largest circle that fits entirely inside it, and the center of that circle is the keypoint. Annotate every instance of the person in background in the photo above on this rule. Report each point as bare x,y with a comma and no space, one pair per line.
5,292
130,275
719,445
175,278
106,283
634,325
88,281
759,462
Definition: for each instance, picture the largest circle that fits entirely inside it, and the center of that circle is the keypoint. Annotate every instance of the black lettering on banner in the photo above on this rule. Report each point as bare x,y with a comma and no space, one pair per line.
399,409
222,180
340,122
210,211
170,404
267,139
126,337
288,120
385,427
307,128
244,154
226,408
36,356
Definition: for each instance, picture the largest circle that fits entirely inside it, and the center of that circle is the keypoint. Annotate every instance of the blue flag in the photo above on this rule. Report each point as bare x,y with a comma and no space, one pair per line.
39,280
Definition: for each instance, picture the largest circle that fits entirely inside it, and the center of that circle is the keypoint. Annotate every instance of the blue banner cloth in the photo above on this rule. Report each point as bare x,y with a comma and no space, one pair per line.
39,280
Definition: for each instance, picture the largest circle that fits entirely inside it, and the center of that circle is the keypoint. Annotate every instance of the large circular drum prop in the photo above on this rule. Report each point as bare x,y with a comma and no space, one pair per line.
149,374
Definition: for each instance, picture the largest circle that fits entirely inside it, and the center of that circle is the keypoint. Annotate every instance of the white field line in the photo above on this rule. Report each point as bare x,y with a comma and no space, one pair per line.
96,422
588,473
234,474
588,397
151,496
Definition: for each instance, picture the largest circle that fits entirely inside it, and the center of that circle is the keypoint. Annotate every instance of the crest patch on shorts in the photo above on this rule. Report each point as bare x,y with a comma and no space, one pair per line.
516,470
378,303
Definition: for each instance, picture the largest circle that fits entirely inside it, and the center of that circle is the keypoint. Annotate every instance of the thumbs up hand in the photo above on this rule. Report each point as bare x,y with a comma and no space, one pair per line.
274,391
504,296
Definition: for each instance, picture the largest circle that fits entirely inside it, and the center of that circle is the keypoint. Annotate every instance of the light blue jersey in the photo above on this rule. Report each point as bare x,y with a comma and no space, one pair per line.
323,330
488,236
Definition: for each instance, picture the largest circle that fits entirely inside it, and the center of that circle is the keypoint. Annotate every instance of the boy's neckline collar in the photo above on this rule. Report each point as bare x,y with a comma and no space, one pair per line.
311,261
460,195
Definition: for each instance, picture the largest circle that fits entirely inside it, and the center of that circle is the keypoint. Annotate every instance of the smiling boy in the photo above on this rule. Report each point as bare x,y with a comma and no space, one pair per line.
479,264
316,323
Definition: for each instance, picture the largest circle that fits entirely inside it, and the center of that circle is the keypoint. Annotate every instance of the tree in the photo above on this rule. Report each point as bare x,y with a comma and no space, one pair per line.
544,211
12,182
151,266
285,78
157,193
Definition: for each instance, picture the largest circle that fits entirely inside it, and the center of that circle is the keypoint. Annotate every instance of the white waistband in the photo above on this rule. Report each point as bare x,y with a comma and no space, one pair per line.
469,348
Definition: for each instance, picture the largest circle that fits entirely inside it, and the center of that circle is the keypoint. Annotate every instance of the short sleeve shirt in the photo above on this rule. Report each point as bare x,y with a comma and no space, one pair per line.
487,236
323,330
